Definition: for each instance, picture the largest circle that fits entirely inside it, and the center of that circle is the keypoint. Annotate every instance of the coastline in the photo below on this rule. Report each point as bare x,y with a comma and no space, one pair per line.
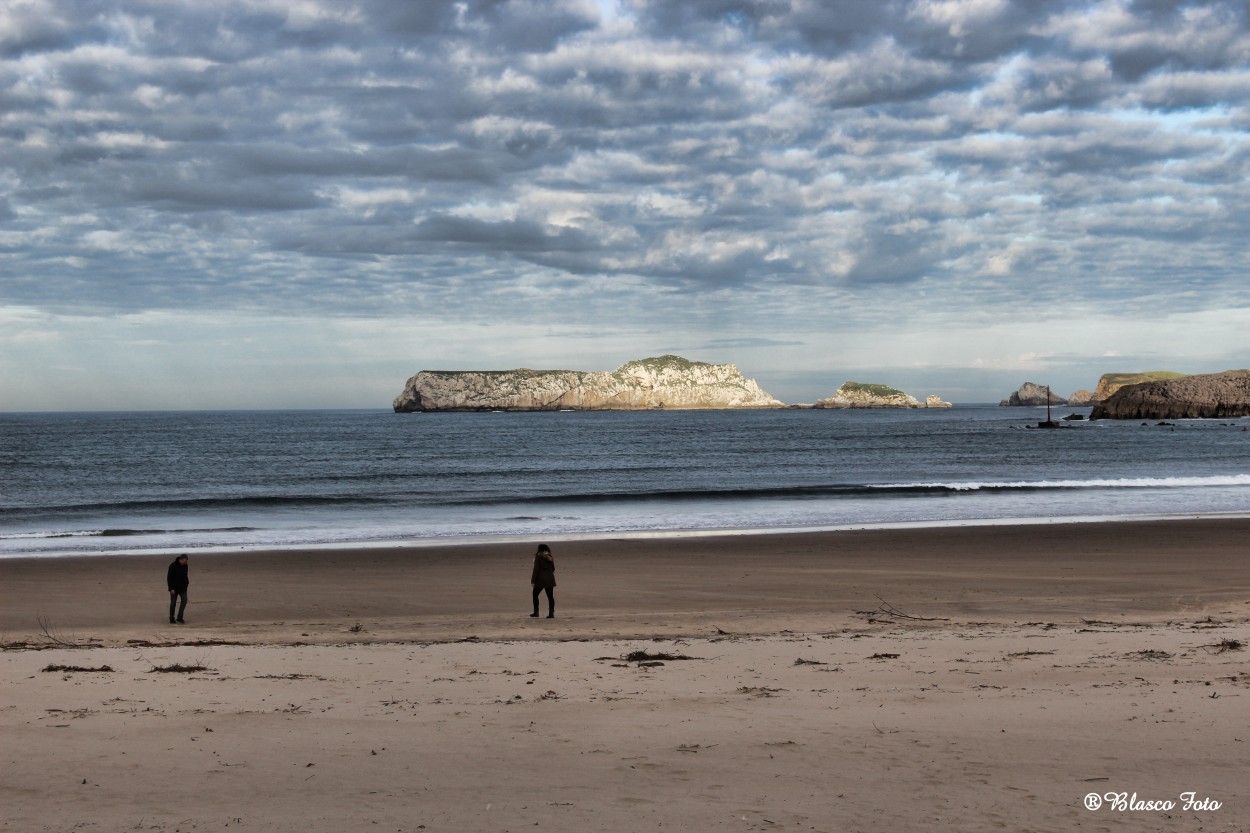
958,678
631,585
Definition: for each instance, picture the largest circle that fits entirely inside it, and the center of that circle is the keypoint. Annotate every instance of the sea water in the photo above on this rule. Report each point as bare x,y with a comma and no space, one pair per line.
133,482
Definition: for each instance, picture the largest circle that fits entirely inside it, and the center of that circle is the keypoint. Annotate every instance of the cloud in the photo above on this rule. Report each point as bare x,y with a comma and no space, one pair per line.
734,343
711,171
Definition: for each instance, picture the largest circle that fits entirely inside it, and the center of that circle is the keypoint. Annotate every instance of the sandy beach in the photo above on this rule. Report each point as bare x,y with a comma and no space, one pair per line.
959,678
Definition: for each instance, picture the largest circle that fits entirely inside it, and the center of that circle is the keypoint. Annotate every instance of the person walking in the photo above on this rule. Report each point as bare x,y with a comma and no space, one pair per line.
544,578
178,580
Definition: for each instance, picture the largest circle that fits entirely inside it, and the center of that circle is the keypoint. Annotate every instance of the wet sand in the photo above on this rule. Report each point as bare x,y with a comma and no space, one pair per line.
961,678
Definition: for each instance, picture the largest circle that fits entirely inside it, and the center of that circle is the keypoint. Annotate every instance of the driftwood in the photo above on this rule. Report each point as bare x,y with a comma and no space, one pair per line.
53,635
891,612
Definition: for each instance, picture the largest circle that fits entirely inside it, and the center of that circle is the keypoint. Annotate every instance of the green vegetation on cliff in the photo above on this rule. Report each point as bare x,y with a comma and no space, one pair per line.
666,362
657,365
873,390
1122,379
1109,383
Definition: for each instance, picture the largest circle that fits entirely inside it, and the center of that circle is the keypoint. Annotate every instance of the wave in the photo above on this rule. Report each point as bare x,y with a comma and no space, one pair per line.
115,533
202,503
222,507
1092,483
871,490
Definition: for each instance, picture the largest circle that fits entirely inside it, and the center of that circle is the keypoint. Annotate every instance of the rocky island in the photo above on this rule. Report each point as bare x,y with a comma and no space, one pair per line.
1204,396
861,395
1032,394
663,382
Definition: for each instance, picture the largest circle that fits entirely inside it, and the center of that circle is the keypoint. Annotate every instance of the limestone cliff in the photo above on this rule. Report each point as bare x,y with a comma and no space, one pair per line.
647,384
1212,395
1081,398
1032,394
1109,383
860,395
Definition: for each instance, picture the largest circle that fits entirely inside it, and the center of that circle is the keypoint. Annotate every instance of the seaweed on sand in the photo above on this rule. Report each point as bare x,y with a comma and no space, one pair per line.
647,656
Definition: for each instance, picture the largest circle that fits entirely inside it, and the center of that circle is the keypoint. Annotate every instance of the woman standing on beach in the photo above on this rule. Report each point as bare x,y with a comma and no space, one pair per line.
544,578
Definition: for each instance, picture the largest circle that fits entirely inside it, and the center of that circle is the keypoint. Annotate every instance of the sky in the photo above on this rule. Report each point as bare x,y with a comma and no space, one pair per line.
301,203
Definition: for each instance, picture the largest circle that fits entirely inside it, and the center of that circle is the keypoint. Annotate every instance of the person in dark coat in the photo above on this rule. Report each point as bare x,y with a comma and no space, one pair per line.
544,578
178,580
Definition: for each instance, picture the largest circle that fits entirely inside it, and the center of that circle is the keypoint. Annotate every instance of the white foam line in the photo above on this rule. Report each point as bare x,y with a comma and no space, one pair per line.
527,540
1119,483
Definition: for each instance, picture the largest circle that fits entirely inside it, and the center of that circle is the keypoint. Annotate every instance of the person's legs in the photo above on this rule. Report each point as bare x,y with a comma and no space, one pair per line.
537,589
173,600
551,603
182,607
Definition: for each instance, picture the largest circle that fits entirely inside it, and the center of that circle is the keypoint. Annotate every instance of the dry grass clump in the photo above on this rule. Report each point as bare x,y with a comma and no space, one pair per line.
178,668
1150,654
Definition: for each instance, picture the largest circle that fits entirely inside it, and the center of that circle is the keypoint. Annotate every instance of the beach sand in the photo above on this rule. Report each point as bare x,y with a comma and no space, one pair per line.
960,678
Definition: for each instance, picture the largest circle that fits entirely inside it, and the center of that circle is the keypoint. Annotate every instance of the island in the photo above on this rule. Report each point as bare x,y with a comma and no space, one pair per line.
658,383
1202,396
861,395
1031,394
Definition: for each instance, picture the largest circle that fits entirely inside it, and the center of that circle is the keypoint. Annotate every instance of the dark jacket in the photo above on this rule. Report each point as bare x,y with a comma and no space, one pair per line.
177,577
544,574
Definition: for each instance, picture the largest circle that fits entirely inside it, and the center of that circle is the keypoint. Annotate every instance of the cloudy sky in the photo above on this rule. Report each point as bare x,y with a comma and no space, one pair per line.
300,203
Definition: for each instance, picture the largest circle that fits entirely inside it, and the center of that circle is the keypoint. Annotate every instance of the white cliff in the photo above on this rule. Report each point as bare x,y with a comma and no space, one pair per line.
647,384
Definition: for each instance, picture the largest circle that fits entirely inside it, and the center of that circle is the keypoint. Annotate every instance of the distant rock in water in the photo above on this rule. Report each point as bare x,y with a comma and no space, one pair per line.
1081,398
860,395
1206,396
1032,394
665,382
1112,382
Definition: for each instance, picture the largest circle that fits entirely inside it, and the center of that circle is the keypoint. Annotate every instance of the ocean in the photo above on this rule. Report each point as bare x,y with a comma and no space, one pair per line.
104,483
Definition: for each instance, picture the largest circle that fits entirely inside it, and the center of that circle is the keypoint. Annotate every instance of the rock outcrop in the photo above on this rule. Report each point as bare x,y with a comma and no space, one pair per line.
647,384
1206,396
1081,398
1109,383
1032,394
860,395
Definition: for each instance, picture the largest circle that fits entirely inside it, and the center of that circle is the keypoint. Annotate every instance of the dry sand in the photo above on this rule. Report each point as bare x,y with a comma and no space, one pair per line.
965,679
